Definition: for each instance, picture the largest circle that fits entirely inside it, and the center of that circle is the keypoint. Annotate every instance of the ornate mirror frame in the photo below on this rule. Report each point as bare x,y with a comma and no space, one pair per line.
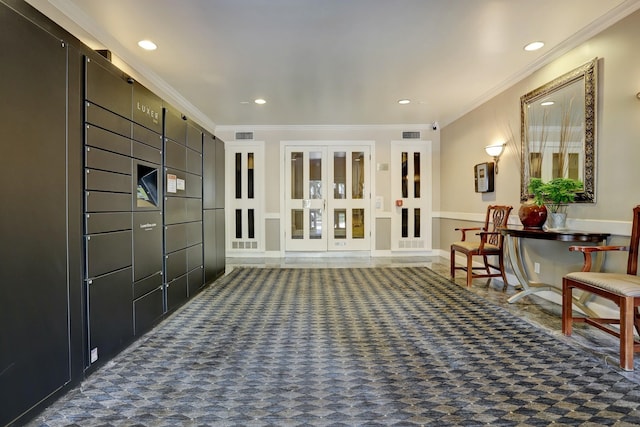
587,75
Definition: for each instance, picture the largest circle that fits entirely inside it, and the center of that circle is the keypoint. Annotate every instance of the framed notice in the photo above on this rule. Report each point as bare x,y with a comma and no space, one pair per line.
483,174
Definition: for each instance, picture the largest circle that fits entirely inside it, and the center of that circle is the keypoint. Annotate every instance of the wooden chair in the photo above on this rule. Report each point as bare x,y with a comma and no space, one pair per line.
622,289
490,244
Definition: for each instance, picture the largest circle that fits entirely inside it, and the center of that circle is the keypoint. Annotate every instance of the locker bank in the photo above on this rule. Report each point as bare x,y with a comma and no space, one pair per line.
112,211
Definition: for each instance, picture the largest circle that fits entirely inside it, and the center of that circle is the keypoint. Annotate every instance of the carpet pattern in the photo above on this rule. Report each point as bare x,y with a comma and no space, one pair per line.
347,347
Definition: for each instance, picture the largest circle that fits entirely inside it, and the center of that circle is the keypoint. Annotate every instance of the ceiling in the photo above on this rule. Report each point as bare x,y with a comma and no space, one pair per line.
332,62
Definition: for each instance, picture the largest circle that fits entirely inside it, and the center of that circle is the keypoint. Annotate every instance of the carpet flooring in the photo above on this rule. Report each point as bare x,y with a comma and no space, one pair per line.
347,347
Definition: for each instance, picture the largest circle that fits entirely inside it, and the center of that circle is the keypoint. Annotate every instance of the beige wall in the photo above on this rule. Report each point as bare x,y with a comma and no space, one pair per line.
618,133
617,151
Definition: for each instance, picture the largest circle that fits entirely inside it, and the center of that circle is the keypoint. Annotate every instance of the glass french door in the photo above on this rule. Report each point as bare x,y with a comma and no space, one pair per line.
327,198
411,196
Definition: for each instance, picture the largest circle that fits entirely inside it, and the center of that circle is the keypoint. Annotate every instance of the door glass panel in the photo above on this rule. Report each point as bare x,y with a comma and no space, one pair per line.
238,223
297,224
340,223
357,176
250,175
405,222
357,219
297,178
251,223
315,224
405,173
238,175
416,222
416,175
340,175
315,175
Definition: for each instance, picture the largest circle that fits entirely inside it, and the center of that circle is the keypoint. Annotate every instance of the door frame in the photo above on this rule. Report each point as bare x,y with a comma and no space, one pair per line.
283,185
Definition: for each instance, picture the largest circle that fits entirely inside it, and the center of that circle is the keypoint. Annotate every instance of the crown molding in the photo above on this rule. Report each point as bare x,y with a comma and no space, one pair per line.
273,128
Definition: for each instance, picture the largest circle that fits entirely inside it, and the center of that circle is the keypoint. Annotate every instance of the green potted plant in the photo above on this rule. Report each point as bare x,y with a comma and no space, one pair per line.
555,195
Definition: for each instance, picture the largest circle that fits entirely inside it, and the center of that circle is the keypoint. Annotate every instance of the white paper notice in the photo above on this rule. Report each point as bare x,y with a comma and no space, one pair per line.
180,184
172,183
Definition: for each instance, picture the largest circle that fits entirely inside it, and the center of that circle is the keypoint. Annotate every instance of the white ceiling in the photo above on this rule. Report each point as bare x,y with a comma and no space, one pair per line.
332,62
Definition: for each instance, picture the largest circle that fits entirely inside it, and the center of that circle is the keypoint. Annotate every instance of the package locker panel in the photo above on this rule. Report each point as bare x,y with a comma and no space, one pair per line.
147,108
110,313
107,221
177,292
108,252
194,162
96,158
34,330
107,140
109,89
147,136
146,152
96,201
175,127
176,264
146,285
147,244
194,233
208,171
147,310
194,209
175,237
194,138
209,232
175,155
194,257
107,120
195,280
97,180
220,242
175,210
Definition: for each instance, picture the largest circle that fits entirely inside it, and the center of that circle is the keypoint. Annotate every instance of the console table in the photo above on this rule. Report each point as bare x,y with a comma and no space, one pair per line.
514,237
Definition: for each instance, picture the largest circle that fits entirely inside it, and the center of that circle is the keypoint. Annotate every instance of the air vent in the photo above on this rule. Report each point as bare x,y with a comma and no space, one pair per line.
410,135
244,135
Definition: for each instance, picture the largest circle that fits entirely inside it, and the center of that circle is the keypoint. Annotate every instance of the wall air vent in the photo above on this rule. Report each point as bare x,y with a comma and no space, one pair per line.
244,135
410,135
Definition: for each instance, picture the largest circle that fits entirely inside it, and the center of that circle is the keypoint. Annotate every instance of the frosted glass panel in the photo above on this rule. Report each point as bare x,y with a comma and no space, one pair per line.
315,175
340,224
315,224
340,175
357,176
357,221
297,179
297,224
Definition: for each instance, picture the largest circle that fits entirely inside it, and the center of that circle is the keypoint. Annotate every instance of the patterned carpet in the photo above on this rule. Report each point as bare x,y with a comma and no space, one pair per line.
347,347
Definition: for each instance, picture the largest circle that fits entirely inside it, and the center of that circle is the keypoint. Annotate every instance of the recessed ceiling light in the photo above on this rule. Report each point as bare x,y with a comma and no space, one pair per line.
547,103
147,45
260,101
404,101
533,46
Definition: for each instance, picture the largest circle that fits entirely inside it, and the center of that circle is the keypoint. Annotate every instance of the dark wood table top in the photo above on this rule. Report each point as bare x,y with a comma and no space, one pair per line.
560,235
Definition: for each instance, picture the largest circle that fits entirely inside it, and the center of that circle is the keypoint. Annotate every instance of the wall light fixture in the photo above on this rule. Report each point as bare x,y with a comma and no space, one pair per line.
495,151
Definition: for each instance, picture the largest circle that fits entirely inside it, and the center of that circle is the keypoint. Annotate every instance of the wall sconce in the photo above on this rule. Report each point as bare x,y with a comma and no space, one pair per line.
495,151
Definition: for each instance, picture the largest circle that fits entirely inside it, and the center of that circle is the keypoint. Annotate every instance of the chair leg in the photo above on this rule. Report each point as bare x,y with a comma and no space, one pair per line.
567,308
502,272
627,314
486,264
453,263
469,270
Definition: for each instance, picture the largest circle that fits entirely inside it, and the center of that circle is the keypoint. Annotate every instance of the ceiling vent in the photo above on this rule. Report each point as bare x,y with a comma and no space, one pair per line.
410,135
244,135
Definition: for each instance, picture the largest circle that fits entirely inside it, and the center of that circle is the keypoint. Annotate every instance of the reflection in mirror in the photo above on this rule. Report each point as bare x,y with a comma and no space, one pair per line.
558,130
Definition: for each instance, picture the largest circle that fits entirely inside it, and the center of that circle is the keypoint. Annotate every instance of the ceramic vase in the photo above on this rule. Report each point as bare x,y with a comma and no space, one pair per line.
531,215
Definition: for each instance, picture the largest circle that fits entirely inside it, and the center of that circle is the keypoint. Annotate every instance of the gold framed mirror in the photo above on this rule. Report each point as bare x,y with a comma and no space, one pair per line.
558,131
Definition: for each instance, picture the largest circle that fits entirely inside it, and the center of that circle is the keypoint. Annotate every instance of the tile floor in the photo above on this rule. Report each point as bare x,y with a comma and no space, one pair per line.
532,309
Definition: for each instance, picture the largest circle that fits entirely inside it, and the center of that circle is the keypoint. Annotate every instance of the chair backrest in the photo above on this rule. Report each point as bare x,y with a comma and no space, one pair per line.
632,264
497,217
